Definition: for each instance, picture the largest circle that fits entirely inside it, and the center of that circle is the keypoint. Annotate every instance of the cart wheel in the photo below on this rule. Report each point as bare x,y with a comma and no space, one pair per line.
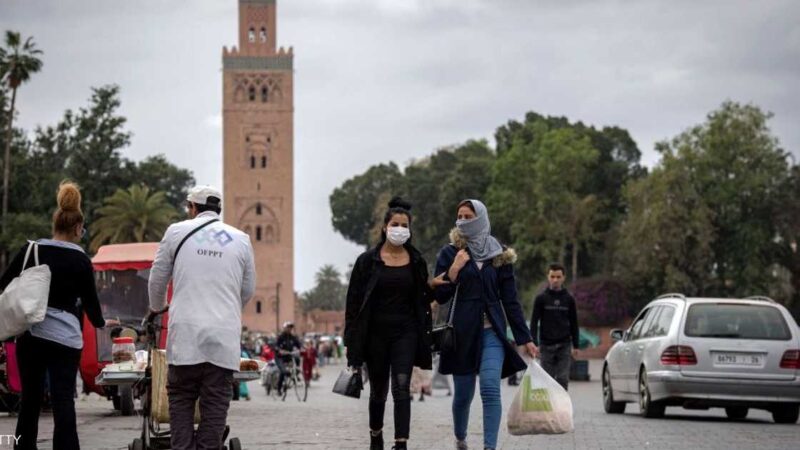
138,444
234,444
126,400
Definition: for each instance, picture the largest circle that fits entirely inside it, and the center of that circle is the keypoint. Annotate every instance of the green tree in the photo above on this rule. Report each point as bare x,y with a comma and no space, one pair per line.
738,168
665,242
536,196
329,292
18,61
353,203
157,173
132,215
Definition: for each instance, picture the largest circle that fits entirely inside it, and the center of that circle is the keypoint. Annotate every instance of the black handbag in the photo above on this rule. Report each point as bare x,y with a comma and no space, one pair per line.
443,337
349,384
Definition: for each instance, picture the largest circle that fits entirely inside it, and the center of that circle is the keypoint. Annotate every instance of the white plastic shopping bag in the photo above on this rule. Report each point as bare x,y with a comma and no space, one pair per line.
541,405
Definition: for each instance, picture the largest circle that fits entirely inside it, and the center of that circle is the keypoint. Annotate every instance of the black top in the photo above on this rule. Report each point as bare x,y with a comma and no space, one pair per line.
556,312
72,278
287,342
394,295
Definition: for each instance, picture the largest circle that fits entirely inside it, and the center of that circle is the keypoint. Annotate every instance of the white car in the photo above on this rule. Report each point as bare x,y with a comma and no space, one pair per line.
702,353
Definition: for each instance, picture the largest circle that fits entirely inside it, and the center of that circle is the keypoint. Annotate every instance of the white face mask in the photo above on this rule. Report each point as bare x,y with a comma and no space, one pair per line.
398,235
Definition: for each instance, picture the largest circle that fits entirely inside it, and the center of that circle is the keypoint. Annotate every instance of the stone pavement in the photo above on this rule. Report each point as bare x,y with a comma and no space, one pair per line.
328,421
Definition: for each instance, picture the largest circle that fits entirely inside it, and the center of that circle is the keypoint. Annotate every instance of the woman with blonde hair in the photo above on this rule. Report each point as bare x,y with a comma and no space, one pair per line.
53,346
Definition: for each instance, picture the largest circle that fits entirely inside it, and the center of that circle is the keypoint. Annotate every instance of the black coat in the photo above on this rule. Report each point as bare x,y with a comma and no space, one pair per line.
363,279
491,289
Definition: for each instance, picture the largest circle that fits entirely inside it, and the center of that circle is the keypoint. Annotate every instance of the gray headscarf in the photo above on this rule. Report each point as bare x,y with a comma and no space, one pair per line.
477,232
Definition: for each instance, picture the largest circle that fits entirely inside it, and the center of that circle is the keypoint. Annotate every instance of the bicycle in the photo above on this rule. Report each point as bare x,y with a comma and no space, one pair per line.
293,378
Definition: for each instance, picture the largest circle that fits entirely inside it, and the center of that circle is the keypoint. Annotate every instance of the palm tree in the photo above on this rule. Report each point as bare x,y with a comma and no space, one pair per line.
17,62
132,215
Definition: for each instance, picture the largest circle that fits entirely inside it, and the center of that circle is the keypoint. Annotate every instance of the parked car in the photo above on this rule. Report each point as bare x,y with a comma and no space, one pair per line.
702,353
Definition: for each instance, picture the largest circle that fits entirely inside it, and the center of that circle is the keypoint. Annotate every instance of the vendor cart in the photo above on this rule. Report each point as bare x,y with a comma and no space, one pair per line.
121,275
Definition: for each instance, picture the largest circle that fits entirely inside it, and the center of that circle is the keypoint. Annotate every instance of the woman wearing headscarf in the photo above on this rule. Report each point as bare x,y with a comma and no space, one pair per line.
481,275
388,321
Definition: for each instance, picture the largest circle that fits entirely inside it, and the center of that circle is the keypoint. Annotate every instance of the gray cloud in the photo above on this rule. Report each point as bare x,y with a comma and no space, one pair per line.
393,80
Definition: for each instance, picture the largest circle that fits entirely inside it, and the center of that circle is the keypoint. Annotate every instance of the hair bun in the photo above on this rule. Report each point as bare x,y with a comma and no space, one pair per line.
69,197
397,202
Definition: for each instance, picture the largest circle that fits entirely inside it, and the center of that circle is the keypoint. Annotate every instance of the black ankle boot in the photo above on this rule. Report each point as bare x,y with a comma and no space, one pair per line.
400,446
376,441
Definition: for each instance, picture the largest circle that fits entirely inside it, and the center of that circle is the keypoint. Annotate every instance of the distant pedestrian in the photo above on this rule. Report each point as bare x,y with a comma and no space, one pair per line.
554,325
388,321
481,275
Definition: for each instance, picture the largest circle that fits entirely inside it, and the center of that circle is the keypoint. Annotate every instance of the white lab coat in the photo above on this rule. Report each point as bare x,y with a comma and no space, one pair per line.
213,278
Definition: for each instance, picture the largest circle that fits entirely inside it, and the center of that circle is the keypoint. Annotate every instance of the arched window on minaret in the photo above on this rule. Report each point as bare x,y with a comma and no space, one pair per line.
252,162
263,162
258,307
270,234
264,94
263,34
258,233
251,93
258,209
251,34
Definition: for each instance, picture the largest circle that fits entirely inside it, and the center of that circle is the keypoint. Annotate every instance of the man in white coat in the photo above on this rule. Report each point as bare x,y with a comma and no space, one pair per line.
212,269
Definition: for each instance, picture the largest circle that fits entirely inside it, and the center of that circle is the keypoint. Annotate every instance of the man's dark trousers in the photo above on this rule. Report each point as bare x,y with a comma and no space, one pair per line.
212,385
556,359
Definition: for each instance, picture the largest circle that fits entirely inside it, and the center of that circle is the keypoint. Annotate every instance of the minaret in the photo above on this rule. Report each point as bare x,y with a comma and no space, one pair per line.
258,162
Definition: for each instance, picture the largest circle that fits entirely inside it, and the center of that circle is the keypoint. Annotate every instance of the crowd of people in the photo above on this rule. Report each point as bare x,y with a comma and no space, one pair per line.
388,322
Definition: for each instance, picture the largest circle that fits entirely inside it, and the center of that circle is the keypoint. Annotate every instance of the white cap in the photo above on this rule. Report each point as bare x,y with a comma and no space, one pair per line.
200,195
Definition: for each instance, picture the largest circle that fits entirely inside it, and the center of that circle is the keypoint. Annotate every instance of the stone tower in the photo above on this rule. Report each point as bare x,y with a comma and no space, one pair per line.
258,136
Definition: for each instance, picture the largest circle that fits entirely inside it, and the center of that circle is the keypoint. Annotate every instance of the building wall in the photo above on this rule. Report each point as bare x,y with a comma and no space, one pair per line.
258,159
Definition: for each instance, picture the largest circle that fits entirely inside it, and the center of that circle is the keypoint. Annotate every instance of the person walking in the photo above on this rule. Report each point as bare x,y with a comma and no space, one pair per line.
481,275
213,277
388,321
554,326
52,348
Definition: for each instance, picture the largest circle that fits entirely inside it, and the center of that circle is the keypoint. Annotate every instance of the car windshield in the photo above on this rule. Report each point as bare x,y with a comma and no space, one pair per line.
733,320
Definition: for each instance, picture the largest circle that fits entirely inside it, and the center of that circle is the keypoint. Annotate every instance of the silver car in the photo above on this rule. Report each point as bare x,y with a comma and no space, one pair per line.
700,353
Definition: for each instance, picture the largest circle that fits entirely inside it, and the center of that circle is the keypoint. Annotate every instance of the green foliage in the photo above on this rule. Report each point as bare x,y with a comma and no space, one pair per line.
738,169
18,60
20,227
665,241
85,146
132,215
329,293
354,202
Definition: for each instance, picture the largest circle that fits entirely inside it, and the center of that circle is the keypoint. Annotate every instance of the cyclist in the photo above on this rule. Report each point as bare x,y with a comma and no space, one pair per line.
287,344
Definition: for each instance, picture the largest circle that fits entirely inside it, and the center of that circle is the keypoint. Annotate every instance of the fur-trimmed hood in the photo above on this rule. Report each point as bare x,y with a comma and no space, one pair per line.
509,255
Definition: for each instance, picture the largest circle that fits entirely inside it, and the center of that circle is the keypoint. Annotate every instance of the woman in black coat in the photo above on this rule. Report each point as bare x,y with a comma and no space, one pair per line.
388,321
481,277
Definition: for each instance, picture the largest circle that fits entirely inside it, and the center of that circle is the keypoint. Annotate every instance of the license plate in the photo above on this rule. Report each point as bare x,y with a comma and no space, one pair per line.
738,359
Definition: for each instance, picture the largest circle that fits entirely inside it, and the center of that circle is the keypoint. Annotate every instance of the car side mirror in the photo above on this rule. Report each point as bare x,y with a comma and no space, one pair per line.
617,335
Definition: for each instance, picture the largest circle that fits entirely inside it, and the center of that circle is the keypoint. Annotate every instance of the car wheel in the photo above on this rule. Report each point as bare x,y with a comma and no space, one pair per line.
610,406
736,412
786,414
647,407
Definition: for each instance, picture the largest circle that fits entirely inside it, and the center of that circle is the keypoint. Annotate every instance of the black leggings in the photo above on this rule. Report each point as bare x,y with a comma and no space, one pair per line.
391,350
38,357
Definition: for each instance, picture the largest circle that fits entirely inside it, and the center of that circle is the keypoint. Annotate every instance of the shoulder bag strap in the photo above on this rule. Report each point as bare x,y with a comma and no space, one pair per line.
27,255
453,307
175,256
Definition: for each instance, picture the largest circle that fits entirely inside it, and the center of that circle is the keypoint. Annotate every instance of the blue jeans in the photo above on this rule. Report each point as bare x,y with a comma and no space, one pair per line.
491,367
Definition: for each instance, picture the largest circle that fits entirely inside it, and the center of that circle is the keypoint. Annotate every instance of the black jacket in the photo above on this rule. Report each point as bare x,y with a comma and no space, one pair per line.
72,278
558,316
491,289
363,279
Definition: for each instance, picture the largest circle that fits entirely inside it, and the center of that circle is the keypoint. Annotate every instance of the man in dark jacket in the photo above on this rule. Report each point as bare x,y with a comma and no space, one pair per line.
554,326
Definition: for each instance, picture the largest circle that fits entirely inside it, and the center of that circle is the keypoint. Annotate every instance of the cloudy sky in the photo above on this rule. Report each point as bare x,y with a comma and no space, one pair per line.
380,80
